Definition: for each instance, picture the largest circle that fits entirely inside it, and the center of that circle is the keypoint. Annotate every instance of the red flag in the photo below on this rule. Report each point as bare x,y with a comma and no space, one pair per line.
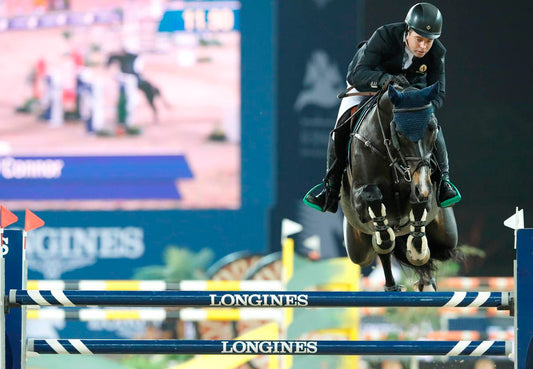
32,221
6,217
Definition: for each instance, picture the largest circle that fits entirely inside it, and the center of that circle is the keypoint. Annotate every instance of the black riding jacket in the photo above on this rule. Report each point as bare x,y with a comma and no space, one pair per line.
382,56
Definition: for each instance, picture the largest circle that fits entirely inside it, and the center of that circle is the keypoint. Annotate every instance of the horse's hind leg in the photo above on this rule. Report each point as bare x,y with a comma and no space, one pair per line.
442,235
390,282
426,284
358,245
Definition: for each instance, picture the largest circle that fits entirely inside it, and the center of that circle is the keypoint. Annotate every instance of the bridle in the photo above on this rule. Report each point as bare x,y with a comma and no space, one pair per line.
394,156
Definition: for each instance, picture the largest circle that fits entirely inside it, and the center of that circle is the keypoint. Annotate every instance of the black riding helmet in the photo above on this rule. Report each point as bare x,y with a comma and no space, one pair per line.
425,19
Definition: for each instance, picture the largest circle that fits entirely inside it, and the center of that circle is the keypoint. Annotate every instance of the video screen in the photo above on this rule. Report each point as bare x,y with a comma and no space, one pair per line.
120,105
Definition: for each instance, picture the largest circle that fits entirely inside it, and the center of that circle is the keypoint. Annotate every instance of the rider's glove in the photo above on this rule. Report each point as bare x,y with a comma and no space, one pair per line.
399,80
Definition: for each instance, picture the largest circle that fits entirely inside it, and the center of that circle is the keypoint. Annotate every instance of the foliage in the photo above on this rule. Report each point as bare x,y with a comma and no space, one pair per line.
180,264
471,251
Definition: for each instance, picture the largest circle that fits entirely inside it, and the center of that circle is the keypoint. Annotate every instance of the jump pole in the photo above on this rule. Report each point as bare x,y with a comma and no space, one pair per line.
16,342
269,299
278,347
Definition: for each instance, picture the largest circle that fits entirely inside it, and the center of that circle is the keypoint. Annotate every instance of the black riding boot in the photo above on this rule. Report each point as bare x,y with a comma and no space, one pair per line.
328,199
447,193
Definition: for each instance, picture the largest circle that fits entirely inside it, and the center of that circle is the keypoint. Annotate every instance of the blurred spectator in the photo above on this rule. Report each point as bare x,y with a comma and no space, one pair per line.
391,364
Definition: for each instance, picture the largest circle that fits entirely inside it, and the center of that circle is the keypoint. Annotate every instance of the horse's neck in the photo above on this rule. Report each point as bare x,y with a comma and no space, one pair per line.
378,121
385,106
375,129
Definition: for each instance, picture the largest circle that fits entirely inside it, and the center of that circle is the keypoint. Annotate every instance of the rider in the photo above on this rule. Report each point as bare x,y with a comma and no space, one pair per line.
406,54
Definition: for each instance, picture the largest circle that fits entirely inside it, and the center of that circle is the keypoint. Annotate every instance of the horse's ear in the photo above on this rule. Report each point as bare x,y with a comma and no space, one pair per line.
430,93
395,96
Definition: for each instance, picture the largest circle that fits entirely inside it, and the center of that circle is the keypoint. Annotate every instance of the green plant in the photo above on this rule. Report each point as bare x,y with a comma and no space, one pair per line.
180,264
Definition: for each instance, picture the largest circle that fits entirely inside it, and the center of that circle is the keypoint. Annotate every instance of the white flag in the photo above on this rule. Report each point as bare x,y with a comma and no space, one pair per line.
515,221
288,227
312,243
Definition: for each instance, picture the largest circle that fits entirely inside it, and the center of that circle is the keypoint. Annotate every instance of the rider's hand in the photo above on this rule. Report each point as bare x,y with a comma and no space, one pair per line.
399,80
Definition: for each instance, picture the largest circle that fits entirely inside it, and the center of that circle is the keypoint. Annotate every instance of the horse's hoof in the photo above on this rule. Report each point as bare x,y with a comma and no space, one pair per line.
419,260
395,288
415,257
425,286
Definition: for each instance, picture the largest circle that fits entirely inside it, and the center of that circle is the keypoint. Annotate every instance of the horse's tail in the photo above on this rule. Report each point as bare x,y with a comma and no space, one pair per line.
426,271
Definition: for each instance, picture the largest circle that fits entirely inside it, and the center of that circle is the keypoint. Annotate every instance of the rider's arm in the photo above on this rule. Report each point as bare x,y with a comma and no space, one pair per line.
365,72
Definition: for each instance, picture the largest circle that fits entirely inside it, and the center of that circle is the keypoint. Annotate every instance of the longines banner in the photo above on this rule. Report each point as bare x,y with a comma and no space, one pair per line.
315,47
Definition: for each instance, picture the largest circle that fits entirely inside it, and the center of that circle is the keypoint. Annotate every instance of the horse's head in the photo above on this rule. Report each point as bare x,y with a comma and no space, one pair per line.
414,130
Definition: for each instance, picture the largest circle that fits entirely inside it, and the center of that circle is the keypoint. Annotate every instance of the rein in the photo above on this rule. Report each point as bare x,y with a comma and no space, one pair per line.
399,169
398,162
345,93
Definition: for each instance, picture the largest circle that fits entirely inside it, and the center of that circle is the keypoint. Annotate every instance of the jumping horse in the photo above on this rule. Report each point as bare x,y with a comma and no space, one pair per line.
388,193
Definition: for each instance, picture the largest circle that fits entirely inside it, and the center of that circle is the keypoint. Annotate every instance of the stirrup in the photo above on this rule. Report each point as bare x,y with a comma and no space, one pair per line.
453,200
311,205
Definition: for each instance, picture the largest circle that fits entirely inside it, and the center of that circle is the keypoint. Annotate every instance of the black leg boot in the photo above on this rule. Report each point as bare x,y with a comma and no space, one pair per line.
447,193
328,199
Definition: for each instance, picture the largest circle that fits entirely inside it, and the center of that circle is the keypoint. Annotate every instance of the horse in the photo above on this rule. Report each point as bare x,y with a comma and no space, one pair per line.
388,192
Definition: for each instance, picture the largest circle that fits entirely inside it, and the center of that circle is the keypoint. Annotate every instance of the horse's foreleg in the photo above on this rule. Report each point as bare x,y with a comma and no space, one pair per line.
384,237
383,242
417,244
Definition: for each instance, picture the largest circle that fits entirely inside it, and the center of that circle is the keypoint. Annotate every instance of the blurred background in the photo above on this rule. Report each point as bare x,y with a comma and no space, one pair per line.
151,133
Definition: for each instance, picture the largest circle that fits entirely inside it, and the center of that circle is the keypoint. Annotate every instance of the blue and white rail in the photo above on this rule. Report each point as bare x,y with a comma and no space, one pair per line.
295,299
286,347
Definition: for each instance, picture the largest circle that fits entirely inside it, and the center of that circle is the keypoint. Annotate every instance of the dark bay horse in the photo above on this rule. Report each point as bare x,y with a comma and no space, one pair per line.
388,196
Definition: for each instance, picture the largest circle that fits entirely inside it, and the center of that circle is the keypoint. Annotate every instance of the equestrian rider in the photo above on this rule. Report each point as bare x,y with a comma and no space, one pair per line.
406,54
